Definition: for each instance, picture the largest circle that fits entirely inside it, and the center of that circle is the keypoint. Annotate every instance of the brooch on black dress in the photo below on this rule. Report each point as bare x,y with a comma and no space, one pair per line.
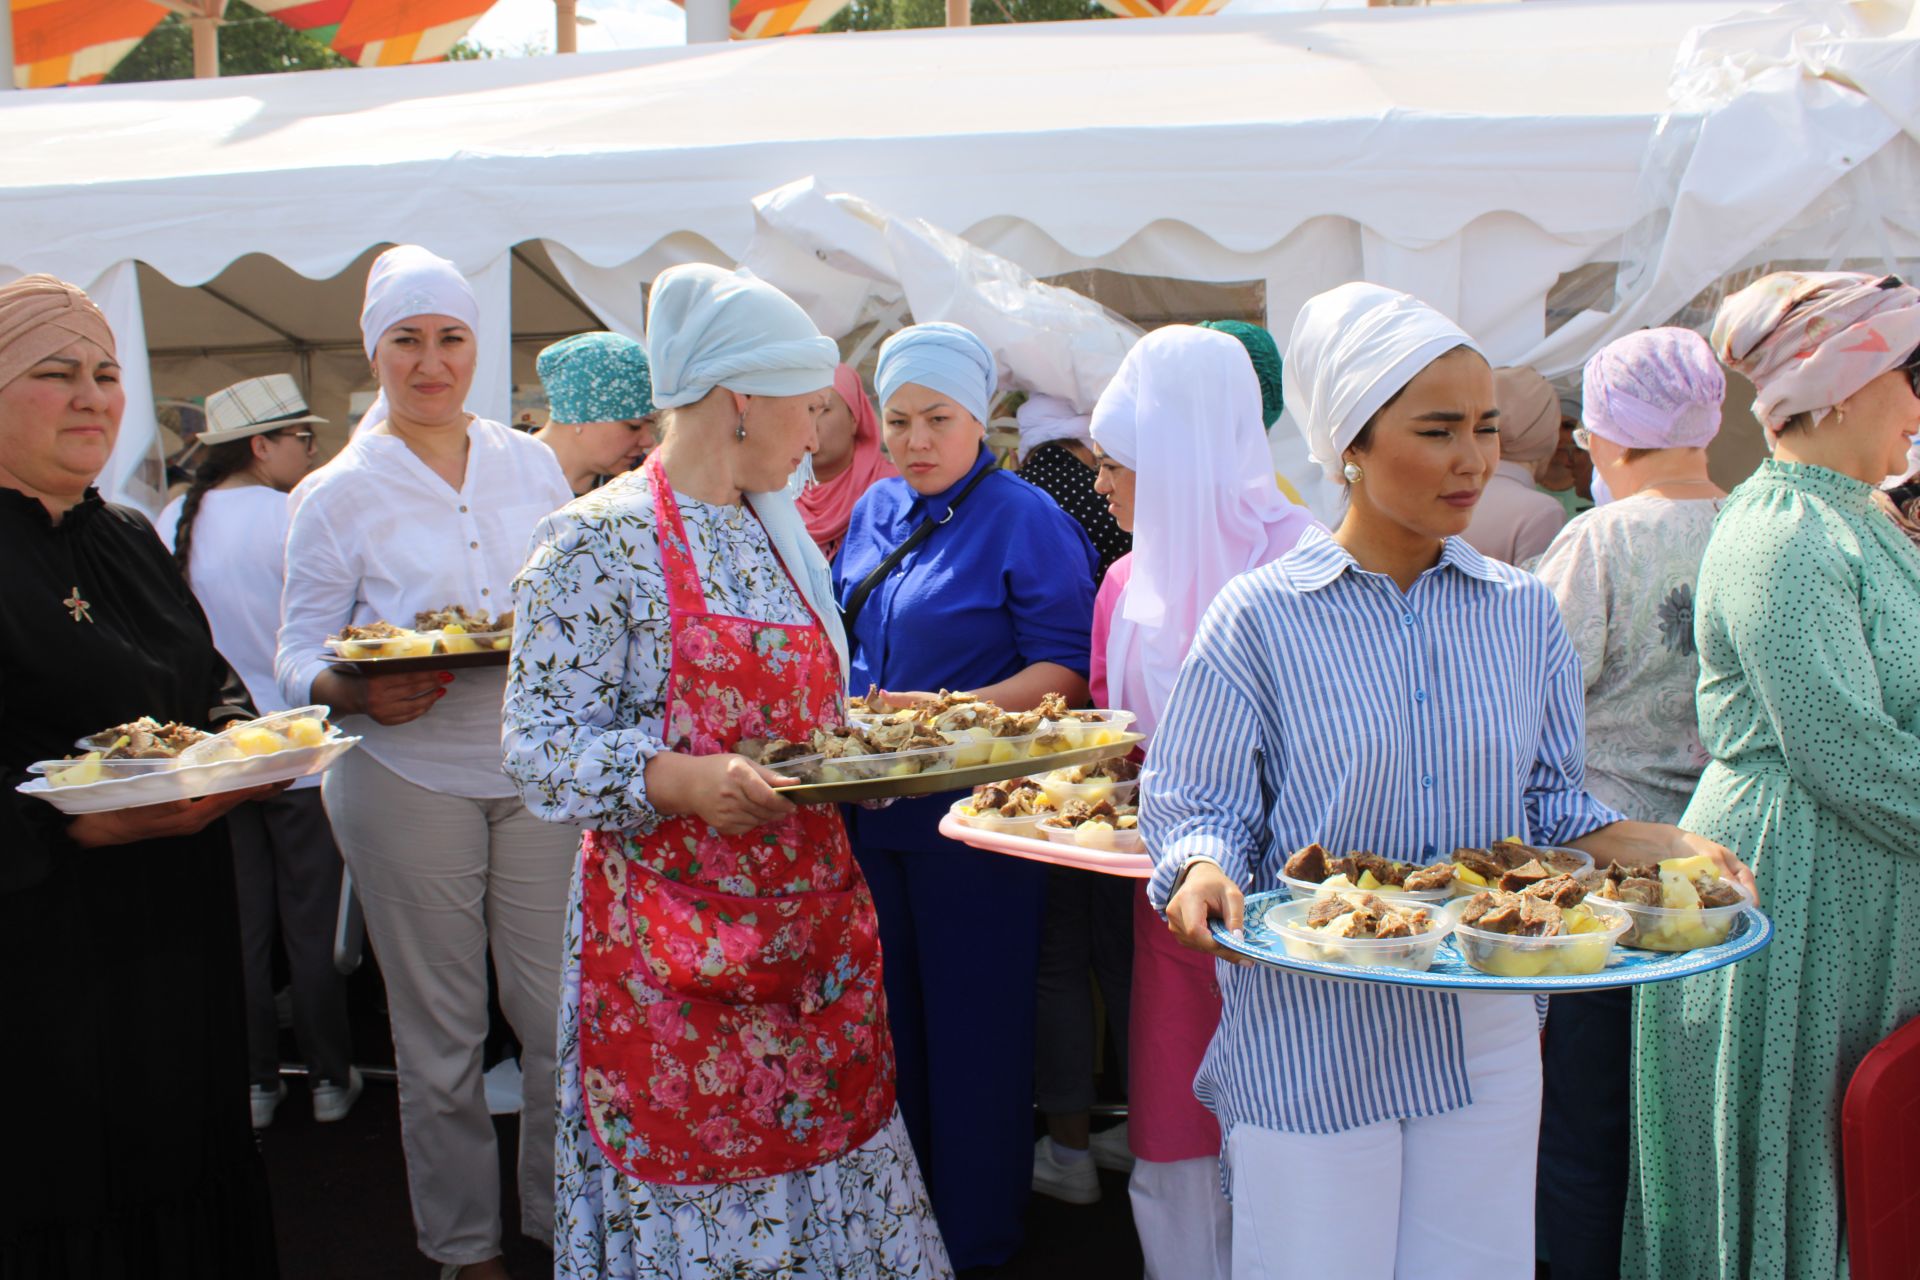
80,609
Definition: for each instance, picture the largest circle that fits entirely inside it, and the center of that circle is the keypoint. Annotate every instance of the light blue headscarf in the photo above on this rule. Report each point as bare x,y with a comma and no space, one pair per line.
709,328
596,377
940,357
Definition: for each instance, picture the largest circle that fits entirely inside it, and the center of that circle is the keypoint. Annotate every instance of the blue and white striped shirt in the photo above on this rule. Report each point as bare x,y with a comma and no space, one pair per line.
1320,702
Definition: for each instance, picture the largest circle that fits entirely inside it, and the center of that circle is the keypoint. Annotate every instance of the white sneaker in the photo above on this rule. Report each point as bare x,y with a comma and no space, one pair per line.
1110,1149
265,1101
332,1101
1076,1183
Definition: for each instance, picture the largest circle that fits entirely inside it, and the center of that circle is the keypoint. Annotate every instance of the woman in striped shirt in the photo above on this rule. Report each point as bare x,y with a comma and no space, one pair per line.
1384,687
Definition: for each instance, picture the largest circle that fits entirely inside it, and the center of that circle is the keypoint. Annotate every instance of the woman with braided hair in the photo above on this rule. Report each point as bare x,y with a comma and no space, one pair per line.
228,533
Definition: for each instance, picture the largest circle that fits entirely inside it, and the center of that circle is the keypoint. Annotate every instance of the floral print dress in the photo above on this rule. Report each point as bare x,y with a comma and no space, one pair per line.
584,713
1624,575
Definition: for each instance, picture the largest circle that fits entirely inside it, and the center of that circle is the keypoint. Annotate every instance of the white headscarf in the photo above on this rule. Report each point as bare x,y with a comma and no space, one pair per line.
1044,419
404,282
1352,349
1184,414
709,328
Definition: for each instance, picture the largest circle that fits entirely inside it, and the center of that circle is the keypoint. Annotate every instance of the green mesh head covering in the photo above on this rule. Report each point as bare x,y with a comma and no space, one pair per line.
1265,355
596,377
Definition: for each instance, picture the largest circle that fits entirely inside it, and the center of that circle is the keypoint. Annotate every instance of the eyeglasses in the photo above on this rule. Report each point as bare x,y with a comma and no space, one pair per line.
1583,439
1912,369
305,438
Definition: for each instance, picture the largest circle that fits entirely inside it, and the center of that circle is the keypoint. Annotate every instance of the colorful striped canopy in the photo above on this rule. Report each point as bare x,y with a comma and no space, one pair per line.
1162,8
381,33
753,19
79,41
76,41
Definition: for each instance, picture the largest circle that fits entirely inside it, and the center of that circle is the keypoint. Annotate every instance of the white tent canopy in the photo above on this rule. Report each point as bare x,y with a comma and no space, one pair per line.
1472,155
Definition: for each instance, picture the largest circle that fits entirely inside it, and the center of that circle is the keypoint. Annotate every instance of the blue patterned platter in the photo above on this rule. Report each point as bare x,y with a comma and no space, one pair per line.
1629,966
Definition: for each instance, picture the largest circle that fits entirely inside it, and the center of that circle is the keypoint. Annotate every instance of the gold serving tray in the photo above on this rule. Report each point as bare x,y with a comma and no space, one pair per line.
936,781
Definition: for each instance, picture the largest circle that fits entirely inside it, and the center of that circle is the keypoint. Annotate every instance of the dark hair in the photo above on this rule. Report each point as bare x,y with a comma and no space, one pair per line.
1364,441
1802,421
1634,455
218,463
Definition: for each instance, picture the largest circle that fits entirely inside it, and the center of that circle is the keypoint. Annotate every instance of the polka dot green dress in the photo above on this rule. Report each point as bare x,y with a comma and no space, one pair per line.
1809,702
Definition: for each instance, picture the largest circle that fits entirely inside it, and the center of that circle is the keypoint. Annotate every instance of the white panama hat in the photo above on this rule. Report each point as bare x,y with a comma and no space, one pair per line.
255,406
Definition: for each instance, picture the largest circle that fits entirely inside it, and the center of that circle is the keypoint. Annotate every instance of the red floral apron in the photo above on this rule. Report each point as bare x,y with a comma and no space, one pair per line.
732,1021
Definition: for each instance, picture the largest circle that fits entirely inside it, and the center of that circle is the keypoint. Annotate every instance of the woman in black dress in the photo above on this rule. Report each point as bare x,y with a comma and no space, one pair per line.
128,1150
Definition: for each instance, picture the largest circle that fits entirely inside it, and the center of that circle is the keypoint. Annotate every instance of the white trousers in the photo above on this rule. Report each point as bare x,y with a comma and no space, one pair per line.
1447,1197
1184,1222
442,881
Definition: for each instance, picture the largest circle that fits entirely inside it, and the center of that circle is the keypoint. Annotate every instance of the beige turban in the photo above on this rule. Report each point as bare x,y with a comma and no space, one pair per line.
40,315
1529,416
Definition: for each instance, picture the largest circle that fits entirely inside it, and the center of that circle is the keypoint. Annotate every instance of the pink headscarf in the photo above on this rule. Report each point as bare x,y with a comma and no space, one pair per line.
1655,389
828,505
1810,339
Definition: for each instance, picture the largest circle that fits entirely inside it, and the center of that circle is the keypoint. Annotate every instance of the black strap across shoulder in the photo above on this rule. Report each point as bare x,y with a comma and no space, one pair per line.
858,599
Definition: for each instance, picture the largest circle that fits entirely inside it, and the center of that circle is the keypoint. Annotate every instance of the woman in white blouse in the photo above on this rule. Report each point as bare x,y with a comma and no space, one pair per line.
430,506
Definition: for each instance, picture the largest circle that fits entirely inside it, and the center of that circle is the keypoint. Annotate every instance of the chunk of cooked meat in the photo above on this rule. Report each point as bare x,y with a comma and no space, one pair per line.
1481,862
1718,893
1326,910
1494,912
1539,919
1309,864
1429,878
1561,891
1640,891
1520,877
1385,870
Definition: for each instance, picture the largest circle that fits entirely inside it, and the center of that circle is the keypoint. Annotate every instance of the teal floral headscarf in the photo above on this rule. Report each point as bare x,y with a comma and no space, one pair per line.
1265,355
596,377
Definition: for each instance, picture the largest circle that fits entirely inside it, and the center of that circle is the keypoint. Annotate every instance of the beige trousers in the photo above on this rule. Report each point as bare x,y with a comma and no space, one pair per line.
442,880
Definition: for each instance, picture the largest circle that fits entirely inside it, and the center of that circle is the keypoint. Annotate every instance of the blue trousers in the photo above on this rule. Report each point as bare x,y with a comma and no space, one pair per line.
1586,1068
960,946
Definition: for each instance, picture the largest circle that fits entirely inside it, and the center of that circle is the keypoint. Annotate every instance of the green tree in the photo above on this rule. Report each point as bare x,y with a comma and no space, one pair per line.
251,43
891,15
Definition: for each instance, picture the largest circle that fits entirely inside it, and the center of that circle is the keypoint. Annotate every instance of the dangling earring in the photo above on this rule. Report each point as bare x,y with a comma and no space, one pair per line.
740,430
1353,473
576,430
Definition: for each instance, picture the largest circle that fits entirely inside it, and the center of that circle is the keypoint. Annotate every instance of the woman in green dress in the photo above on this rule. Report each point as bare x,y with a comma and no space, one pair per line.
1809,704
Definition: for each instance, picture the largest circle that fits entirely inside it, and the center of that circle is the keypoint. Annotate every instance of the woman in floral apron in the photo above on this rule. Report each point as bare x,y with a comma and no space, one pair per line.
726,1084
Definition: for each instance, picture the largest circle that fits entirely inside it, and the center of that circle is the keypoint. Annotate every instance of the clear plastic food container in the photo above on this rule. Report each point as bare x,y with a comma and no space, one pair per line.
84,772
1465,886
1308,889
890,764
455,640
1088,835
411,644
1083,729
1028,826
1289,921
1678,928
290,730
979,746
1091,792
1505,956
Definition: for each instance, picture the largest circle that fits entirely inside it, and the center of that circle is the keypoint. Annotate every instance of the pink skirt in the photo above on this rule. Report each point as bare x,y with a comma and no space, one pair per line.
1176,1006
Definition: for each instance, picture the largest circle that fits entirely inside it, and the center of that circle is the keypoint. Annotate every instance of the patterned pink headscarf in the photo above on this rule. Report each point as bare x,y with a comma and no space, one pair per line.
1810,339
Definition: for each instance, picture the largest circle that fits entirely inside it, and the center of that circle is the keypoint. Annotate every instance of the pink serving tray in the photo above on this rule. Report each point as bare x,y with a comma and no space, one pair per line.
1137,866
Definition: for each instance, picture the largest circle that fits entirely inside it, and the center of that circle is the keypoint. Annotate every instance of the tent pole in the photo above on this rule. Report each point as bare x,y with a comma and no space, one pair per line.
204,22
6,46
709,21
566,36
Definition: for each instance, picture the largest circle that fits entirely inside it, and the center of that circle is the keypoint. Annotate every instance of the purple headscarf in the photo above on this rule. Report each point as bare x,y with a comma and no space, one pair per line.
1655,389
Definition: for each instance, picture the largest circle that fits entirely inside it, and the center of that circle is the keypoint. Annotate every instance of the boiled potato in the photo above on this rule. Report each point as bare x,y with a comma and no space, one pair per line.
453,638
82,772
975,747
256,742
306,731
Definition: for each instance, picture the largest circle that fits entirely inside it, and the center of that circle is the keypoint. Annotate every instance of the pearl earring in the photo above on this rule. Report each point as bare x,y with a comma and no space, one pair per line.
1353,473
740,430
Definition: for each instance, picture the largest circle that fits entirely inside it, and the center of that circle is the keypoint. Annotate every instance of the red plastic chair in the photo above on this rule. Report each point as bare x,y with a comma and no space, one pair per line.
1879,1133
